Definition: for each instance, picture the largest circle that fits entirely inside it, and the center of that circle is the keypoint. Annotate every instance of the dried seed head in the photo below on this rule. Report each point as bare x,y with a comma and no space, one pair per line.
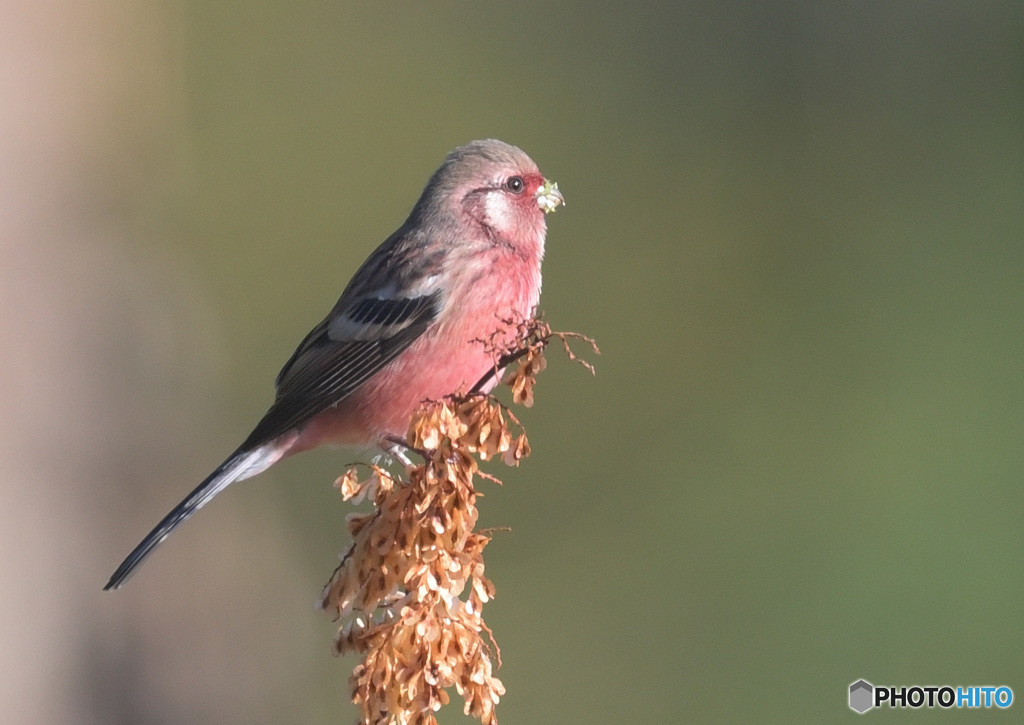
410,590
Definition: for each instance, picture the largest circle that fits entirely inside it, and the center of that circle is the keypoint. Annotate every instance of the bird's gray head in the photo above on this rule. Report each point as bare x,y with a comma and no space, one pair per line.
492,183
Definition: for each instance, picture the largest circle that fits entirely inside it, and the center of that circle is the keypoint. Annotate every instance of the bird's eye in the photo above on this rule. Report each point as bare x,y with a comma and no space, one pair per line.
515,184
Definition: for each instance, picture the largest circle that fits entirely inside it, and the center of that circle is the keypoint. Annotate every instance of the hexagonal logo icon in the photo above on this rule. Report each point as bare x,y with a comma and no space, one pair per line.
862,695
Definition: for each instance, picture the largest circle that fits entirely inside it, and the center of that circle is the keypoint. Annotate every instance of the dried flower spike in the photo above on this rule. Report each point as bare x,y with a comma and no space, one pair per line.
410,590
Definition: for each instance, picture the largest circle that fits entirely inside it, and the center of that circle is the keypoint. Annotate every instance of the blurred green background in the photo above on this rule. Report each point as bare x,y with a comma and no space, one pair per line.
795,229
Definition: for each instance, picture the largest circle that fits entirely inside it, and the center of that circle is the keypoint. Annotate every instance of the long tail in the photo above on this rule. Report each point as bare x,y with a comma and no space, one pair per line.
242,464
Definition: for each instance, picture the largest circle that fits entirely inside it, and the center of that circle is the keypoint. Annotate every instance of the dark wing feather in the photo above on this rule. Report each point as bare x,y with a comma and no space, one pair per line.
322,372
385,312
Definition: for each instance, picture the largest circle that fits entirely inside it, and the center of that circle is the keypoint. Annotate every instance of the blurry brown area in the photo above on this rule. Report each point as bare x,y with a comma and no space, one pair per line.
110,364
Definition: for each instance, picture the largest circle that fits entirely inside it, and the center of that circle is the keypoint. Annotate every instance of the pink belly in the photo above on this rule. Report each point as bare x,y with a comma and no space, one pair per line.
446,359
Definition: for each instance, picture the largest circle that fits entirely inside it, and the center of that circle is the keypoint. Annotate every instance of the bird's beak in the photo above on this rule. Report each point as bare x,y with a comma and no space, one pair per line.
549,197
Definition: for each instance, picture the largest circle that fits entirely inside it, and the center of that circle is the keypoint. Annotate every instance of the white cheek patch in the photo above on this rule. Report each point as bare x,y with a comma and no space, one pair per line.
499,211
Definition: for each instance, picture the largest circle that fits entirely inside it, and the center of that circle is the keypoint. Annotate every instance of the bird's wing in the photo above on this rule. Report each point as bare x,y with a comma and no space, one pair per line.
340,354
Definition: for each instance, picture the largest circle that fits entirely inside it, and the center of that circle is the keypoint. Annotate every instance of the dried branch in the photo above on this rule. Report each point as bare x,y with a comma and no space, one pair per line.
410,590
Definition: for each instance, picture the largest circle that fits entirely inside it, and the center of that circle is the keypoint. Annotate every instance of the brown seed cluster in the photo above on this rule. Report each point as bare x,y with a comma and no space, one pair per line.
410,590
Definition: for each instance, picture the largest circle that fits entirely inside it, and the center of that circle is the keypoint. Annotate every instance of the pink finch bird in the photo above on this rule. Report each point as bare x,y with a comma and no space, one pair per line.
408,325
